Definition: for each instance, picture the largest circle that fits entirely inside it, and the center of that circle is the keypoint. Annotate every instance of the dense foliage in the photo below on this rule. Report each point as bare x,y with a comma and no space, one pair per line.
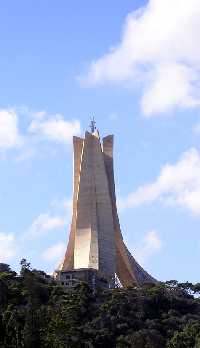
37,313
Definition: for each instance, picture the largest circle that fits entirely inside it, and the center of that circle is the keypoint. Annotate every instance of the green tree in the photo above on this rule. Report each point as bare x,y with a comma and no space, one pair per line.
187,338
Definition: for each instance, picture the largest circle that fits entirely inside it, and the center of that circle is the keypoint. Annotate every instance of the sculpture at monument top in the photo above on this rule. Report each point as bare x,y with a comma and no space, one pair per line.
95,240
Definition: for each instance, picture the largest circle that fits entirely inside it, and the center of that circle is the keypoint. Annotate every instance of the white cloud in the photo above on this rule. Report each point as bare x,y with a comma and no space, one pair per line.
42,127
38,114
56,217
43,224
54,252
160,49
7,247
25,154
171,85
9,131
150,244
55,128
177,184
64,204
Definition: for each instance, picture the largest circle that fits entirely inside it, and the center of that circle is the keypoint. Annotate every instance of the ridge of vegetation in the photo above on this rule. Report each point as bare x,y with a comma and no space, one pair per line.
35,312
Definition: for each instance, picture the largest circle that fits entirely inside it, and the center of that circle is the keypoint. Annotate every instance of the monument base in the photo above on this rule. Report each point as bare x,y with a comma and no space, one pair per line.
91,276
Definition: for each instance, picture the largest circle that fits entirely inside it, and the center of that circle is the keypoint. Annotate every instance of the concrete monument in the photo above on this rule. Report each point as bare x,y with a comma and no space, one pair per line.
96,251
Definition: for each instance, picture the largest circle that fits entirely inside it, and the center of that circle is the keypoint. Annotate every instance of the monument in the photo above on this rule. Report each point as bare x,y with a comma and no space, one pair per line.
96,252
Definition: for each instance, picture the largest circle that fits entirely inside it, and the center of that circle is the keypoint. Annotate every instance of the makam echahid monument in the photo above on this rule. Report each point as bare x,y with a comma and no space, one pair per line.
96,252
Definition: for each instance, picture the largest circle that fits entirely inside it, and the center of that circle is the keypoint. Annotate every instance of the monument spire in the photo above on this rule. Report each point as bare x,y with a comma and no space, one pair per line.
96,252
93,125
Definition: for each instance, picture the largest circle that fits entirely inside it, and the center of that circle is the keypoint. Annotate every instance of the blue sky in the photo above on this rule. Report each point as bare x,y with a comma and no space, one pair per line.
135,67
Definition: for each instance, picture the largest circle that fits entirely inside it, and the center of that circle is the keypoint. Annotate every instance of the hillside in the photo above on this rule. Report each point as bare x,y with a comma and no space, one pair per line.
36,313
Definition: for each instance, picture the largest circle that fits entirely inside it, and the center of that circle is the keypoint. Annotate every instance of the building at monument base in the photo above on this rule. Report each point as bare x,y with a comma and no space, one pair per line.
89,275
96,252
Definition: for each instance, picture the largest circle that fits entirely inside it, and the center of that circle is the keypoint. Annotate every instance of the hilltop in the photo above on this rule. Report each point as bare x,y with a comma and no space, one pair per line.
37,313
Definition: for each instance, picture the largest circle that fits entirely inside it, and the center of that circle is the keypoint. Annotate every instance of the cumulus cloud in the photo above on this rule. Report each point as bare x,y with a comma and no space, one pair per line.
150,244
9,132
56,217
42,127
64,204
55,252
55,128
43,224
160,49
177,184
7,247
